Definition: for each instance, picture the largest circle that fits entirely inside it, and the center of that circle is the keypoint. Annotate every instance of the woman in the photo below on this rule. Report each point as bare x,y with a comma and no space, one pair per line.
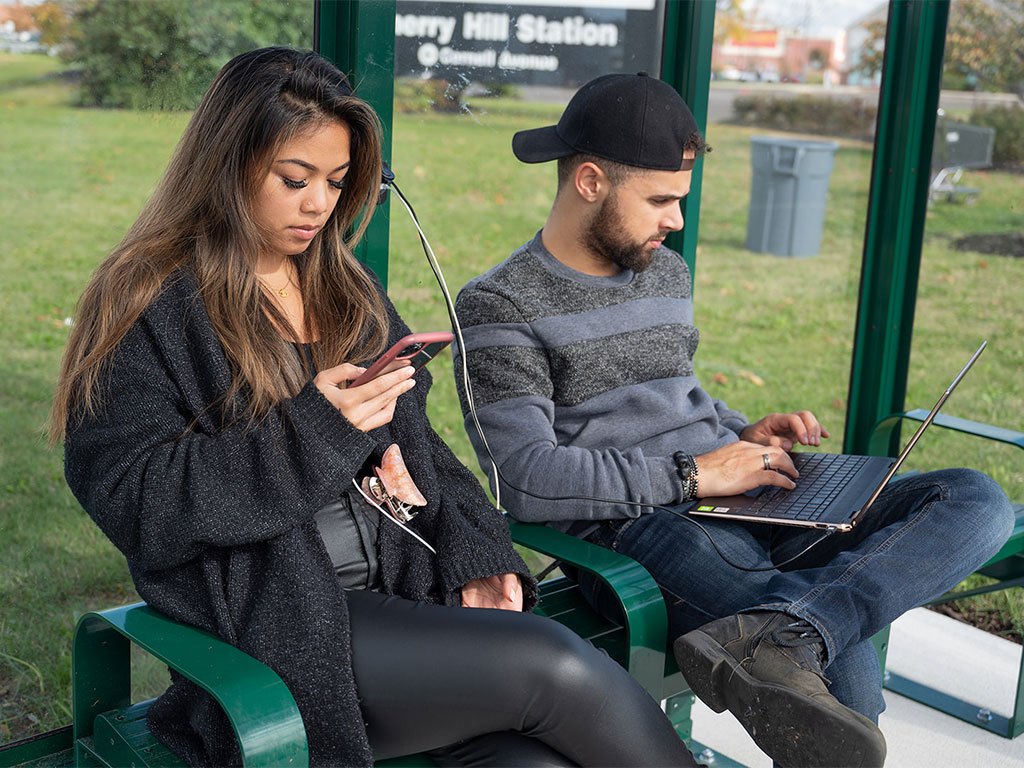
209,433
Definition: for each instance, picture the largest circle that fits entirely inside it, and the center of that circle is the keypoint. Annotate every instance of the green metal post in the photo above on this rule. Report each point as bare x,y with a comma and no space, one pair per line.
686,65
897,204
359,37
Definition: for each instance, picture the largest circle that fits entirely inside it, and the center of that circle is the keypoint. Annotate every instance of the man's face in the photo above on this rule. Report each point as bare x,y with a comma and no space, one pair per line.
636,216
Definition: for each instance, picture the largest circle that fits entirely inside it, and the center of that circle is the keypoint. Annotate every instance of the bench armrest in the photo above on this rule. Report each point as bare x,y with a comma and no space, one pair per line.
884,431
643,606
256,701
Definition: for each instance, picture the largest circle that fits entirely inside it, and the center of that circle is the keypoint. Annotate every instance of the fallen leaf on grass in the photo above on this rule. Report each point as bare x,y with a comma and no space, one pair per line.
752,377
719,378
947,278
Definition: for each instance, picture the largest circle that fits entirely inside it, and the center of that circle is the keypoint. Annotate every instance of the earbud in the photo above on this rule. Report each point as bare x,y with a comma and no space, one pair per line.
386,177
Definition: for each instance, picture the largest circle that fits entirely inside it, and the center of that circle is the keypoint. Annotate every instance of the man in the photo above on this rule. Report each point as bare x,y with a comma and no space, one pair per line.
580,352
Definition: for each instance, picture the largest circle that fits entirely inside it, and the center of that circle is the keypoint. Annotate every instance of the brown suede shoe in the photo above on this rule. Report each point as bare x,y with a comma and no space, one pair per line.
765,668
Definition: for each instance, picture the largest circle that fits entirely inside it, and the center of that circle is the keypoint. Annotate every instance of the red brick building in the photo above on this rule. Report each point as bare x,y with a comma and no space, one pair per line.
772,54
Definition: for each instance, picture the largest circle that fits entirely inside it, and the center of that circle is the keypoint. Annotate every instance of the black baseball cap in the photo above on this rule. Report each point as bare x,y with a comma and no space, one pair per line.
635,120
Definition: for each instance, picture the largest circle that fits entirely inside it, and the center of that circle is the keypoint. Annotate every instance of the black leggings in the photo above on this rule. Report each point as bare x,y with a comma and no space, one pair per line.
490,687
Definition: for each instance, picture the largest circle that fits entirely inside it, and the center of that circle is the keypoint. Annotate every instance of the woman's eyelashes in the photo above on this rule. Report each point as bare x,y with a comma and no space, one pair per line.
301,184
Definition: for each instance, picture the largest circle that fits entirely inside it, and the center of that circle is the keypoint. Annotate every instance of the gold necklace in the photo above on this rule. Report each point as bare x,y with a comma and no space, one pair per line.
283,290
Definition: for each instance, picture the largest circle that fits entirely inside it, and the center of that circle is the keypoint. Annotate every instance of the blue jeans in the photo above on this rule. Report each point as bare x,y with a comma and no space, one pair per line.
923,535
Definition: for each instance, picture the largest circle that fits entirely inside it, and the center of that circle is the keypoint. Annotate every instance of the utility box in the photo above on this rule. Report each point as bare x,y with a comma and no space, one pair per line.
788,189
958,146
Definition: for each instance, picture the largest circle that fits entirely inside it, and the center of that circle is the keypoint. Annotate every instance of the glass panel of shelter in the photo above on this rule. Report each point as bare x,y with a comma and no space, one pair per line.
971,260
791,119
776,279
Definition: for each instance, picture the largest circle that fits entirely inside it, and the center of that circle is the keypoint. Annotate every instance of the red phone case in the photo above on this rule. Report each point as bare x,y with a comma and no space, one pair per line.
416,349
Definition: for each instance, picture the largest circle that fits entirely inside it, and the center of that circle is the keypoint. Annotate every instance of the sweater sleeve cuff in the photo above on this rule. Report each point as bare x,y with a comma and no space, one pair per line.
461,571
666,485
736,425
333,428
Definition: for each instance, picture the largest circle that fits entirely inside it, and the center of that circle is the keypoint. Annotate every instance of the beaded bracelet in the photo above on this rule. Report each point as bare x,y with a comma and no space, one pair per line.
686,465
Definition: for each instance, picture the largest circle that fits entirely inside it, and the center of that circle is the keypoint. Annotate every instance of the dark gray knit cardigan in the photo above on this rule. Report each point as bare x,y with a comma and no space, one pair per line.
217,522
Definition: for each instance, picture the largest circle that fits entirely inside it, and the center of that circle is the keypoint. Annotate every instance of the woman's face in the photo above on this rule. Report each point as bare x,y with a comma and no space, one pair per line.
302,187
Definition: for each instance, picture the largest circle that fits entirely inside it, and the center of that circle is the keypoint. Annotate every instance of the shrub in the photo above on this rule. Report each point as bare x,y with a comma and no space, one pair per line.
494,89
447,95
164,53
413,95
852,118
1009,125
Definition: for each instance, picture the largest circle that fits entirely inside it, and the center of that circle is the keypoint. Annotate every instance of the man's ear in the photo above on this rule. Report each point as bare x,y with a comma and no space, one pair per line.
591,182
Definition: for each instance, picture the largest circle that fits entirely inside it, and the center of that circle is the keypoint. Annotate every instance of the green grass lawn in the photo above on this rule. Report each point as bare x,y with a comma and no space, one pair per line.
776,332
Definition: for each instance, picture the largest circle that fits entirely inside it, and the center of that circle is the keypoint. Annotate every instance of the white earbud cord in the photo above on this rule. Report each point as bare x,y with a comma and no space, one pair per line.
387,516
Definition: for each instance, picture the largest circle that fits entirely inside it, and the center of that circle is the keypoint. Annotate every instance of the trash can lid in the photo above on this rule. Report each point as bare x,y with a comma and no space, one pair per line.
786,141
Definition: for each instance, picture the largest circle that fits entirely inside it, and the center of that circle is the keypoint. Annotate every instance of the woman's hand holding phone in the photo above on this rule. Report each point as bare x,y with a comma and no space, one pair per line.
366,397
367,406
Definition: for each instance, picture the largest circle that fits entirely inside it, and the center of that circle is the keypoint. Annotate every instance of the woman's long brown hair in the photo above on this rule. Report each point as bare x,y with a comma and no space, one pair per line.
200,218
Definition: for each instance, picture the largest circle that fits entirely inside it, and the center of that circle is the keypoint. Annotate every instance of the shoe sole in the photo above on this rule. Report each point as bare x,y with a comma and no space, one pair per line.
795,730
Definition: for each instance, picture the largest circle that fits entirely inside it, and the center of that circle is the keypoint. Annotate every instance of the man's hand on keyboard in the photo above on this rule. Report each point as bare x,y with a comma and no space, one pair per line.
785,429
740,466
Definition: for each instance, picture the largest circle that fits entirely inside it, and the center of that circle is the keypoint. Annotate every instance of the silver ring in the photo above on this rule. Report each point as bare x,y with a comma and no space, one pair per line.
767,460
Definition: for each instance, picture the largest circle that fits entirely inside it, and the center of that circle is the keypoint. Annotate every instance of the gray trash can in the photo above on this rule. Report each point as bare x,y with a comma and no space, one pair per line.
787,194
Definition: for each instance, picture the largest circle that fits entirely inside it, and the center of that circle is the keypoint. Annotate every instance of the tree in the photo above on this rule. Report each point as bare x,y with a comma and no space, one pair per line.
730,20
984,41
164,53
51,17
983,45
872,51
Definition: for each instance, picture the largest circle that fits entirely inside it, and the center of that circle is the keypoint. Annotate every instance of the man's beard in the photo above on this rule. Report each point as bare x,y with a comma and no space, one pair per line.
604,238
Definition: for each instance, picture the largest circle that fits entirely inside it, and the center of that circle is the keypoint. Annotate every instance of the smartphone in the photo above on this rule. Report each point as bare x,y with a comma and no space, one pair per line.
416,349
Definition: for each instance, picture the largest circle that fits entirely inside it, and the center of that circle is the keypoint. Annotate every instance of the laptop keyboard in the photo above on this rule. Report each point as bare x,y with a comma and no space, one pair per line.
809,499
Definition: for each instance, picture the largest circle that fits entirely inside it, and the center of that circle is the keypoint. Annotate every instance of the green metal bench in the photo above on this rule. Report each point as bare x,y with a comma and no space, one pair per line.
1006,568
109,730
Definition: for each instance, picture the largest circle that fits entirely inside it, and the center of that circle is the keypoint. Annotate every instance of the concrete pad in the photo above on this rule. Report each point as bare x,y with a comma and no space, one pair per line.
955,658
936,650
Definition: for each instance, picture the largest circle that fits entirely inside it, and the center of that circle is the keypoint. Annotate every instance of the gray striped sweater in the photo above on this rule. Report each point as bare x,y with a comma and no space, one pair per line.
584,385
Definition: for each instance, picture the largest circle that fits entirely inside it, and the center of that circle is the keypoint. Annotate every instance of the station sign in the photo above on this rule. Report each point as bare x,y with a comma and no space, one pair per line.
536,42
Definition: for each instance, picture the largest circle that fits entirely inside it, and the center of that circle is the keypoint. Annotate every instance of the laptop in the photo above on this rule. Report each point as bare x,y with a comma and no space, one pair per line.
834,490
